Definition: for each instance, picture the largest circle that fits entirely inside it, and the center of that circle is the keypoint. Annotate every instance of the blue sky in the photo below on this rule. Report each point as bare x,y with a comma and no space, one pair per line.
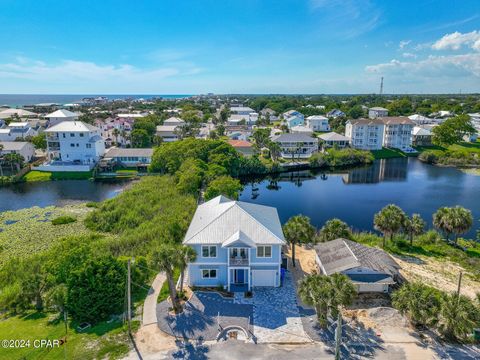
249,46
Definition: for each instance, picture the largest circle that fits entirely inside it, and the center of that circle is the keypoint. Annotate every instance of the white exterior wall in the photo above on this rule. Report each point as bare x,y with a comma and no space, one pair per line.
76,146
58,120
398,136
318,124
365,137
26,151
372,114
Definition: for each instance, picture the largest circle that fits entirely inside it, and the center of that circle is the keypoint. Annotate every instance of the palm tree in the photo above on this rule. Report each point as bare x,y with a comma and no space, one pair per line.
442,220
389,220
327,294
275,150
419,302
166,258
334,229
115,133
414,226
457,317
14,159
462,221
298,230
186,255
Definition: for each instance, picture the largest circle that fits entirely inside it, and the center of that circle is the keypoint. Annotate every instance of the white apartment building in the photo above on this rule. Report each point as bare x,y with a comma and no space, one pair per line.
365,134
296,146
318,123
376,112
74,143
373,134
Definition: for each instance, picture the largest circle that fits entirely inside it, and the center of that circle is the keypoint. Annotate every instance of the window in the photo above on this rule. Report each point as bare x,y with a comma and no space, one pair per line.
72,135
209,274
89,146
72,145
264,252
209,251
81,134
78,145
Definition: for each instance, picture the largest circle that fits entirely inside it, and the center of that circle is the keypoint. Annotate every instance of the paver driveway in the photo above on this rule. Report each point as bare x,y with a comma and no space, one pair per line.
276,317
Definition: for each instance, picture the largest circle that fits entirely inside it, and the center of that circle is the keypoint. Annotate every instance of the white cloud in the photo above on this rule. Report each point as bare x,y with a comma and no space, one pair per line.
457,40
409,55
404,43
434,66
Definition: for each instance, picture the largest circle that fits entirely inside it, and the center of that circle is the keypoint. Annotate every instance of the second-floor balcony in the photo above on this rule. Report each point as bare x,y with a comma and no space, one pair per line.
238,257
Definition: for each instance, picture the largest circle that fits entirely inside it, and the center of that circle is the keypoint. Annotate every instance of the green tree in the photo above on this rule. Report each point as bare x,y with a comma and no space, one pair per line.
334,229
221,130
186,256
443,220
355,112
190,176
457,317
452,130
274,149
419,302
166,258
414,226
453,220
223,185
39,141
14,159
327,294
97,289
140,138
389,220
298,230
261,138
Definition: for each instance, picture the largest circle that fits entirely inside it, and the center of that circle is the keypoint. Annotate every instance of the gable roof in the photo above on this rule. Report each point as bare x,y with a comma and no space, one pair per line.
61,113
341,254
333,136
72,126
218,220
240,143
294,137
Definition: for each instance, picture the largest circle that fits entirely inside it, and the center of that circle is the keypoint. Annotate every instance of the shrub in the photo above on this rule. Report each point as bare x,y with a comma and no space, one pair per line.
428,156
61,220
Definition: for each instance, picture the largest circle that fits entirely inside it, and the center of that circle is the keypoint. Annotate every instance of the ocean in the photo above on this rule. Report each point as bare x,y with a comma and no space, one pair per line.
17,100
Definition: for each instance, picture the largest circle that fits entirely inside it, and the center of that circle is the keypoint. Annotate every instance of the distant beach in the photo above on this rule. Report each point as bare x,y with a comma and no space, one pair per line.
15,100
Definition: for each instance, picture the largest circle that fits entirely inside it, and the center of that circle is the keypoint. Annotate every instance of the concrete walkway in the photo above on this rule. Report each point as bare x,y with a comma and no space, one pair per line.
150,304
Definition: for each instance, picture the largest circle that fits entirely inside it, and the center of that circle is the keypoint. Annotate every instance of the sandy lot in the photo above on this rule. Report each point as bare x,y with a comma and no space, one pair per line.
441,275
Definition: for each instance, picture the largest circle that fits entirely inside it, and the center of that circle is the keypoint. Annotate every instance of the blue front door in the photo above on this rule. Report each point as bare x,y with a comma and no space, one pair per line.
239,276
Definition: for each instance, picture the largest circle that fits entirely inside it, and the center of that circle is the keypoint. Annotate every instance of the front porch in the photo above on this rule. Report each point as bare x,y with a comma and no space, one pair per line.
238,279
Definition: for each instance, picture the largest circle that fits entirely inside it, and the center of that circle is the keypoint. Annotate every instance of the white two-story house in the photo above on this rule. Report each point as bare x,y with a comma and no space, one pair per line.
74,143
398,132
296,146
318,123
238,245
293,118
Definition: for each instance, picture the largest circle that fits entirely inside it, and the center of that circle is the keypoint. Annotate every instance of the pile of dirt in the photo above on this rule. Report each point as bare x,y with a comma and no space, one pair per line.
386,316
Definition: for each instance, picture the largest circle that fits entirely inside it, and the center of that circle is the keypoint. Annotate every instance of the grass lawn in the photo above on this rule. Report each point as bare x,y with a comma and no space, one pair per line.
387,153
36,175
164,291
105,340
463,146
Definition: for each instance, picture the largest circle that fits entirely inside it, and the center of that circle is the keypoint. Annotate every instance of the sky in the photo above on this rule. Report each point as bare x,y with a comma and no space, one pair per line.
248,46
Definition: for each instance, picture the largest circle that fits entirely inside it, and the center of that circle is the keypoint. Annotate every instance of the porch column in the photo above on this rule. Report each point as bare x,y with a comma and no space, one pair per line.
228,278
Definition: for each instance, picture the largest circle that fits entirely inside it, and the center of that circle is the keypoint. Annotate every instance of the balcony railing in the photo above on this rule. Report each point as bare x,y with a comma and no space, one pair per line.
238,261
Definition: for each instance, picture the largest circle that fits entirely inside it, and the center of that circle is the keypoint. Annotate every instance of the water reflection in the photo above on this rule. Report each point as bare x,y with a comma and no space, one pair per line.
381,170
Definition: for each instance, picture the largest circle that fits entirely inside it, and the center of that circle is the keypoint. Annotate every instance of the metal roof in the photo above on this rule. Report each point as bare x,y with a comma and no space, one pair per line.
124,152
217,220
342,254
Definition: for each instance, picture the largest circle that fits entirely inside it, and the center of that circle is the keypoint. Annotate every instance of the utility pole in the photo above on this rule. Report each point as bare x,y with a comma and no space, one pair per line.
129,299
459,284
66,333
338,336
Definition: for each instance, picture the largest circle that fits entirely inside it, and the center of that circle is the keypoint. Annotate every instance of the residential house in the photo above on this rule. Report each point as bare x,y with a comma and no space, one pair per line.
168,131
20,113
238,245
16,130
318,123
365,134
23,148
332,139
73,146
300,146
241,110
242,146
131,116
61,115
376,112
293,118
335,113
270,113
238,132
421,136
130,157
300,129
420,119
243,119
370,269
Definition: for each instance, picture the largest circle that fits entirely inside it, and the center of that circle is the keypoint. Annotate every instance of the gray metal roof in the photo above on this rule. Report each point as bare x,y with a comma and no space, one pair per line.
342,254
294,137
218,220
13,145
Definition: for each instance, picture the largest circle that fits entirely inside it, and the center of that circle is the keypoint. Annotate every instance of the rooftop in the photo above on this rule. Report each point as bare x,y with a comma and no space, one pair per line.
290,137
13,145
241,109
72,126
240,143
62,113
130,152
333,136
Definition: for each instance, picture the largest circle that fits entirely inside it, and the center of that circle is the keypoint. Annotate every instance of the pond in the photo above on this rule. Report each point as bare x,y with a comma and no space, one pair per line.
25,195
355,195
